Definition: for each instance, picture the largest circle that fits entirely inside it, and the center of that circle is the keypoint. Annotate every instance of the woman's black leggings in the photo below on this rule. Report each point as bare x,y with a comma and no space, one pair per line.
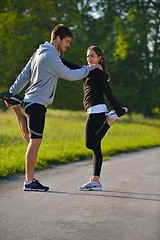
96,128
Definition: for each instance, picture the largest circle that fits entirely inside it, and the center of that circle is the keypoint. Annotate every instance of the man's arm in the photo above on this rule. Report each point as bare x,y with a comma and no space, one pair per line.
22,79
70,64
58,69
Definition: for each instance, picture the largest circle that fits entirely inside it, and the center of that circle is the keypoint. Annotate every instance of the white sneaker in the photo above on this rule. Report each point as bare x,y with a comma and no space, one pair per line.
91,186
125,109
112,114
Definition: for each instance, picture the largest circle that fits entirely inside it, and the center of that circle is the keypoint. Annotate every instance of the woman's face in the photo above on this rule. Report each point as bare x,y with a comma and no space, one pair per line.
92,57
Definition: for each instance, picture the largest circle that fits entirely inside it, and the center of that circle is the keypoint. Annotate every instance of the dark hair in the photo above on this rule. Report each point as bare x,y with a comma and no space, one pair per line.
100,53
62,31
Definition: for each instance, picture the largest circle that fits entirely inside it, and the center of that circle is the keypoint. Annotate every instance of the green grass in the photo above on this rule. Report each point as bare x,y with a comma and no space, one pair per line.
63,140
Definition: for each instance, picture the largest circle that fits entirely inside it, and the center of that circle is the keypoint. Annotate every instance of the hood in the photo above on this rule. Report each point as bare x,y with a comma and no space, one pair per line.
45,47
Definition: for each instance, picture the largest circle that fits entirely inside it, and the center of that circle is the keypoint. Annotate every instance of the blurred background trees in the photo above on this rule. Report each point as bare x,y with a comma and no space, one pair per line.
128,31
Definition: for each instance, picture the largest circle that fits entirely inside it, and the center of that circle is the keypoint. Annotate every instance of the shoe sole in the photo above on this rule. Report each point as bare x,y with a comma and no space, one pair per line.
35,190
91,189
116,118
8,96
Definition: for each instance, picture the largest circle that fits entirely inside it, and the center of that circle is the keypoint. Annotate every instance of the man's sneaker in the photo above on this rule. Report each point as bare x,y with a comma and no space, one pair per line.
35,185
91,186
112,114
11,99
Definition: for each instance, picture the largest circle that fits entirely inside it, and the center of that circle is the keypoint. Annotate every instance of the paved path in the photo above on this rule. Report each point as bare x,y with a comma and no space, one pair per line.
128,208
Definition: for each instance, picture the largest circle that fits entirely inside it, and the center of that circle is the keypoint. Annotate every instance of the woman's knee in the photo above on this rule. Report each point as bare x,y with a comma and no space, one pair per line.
89,145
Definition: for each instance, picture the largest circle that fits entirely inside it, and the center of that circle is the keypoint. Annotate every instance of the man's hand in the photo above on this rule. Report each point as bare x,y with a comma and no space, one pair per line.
10,99
8,104
97,66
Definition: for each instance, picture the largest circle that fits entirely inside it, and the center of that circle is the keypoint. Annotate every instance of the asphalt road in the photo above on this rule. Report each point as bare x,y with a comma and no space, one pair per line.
128,208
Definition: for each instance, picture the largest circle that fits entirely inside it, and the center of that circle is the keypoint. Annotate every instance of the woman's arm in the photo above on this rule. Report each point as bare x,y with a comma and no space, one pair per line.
106,89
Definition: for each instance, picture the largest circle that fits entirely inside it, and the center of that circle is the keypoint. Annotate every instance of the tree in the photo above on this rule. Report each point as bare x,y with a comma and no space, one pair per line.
130,36
128,31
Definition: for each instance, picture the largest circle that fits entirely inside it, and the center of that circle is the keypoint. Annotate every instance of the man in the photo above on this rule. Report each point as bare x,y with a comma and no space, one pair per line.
42,71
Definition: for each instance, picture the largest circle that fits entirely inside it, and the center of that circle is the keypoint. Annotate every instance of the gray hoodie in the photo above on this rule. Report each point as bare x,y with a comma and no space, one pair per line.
43,70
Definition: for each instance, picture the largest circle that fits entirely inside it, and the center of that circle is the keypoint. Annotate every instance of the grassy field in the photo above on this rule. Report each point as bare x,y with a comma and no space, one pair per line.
63,140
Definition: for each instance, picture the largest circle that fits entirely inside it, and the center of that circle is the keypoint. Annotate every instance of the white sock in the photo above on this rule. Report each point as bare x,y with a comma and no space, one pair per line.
28,182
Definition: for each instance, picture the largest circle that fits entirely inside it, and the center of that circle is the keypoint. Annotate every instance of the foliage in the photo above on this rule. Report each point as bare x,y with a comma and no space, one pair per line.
128,31
64,139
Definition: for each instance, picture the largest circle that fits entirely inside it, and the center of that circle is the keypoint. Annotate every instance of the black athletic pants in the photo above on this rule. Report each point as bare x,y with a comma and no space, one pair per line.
96,128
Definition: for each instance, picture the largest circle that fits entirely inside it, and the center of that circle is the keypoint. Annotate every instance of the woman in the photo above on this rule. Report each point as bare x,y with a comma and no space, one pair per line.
99,119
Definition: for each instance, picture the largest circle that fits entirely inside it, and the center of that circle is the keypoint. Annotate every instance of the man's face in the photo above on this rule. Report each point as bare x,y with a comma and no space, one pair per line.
64,44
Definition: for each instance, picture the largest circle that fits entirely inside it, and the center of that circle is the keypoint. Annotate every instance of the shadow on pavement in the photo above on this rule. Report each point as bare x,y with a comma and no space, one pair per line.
117,194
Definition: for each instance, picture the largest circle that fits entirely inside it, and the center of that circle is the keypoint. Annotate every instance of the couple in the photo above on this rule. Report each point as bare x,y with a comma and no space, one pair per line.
42,71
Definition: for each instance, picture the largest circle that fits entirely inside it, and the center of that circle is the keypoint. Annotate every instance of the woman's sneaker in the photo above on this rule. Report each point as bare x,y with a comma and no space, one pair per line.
35,185
11,99
125,109
112,114
91,186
